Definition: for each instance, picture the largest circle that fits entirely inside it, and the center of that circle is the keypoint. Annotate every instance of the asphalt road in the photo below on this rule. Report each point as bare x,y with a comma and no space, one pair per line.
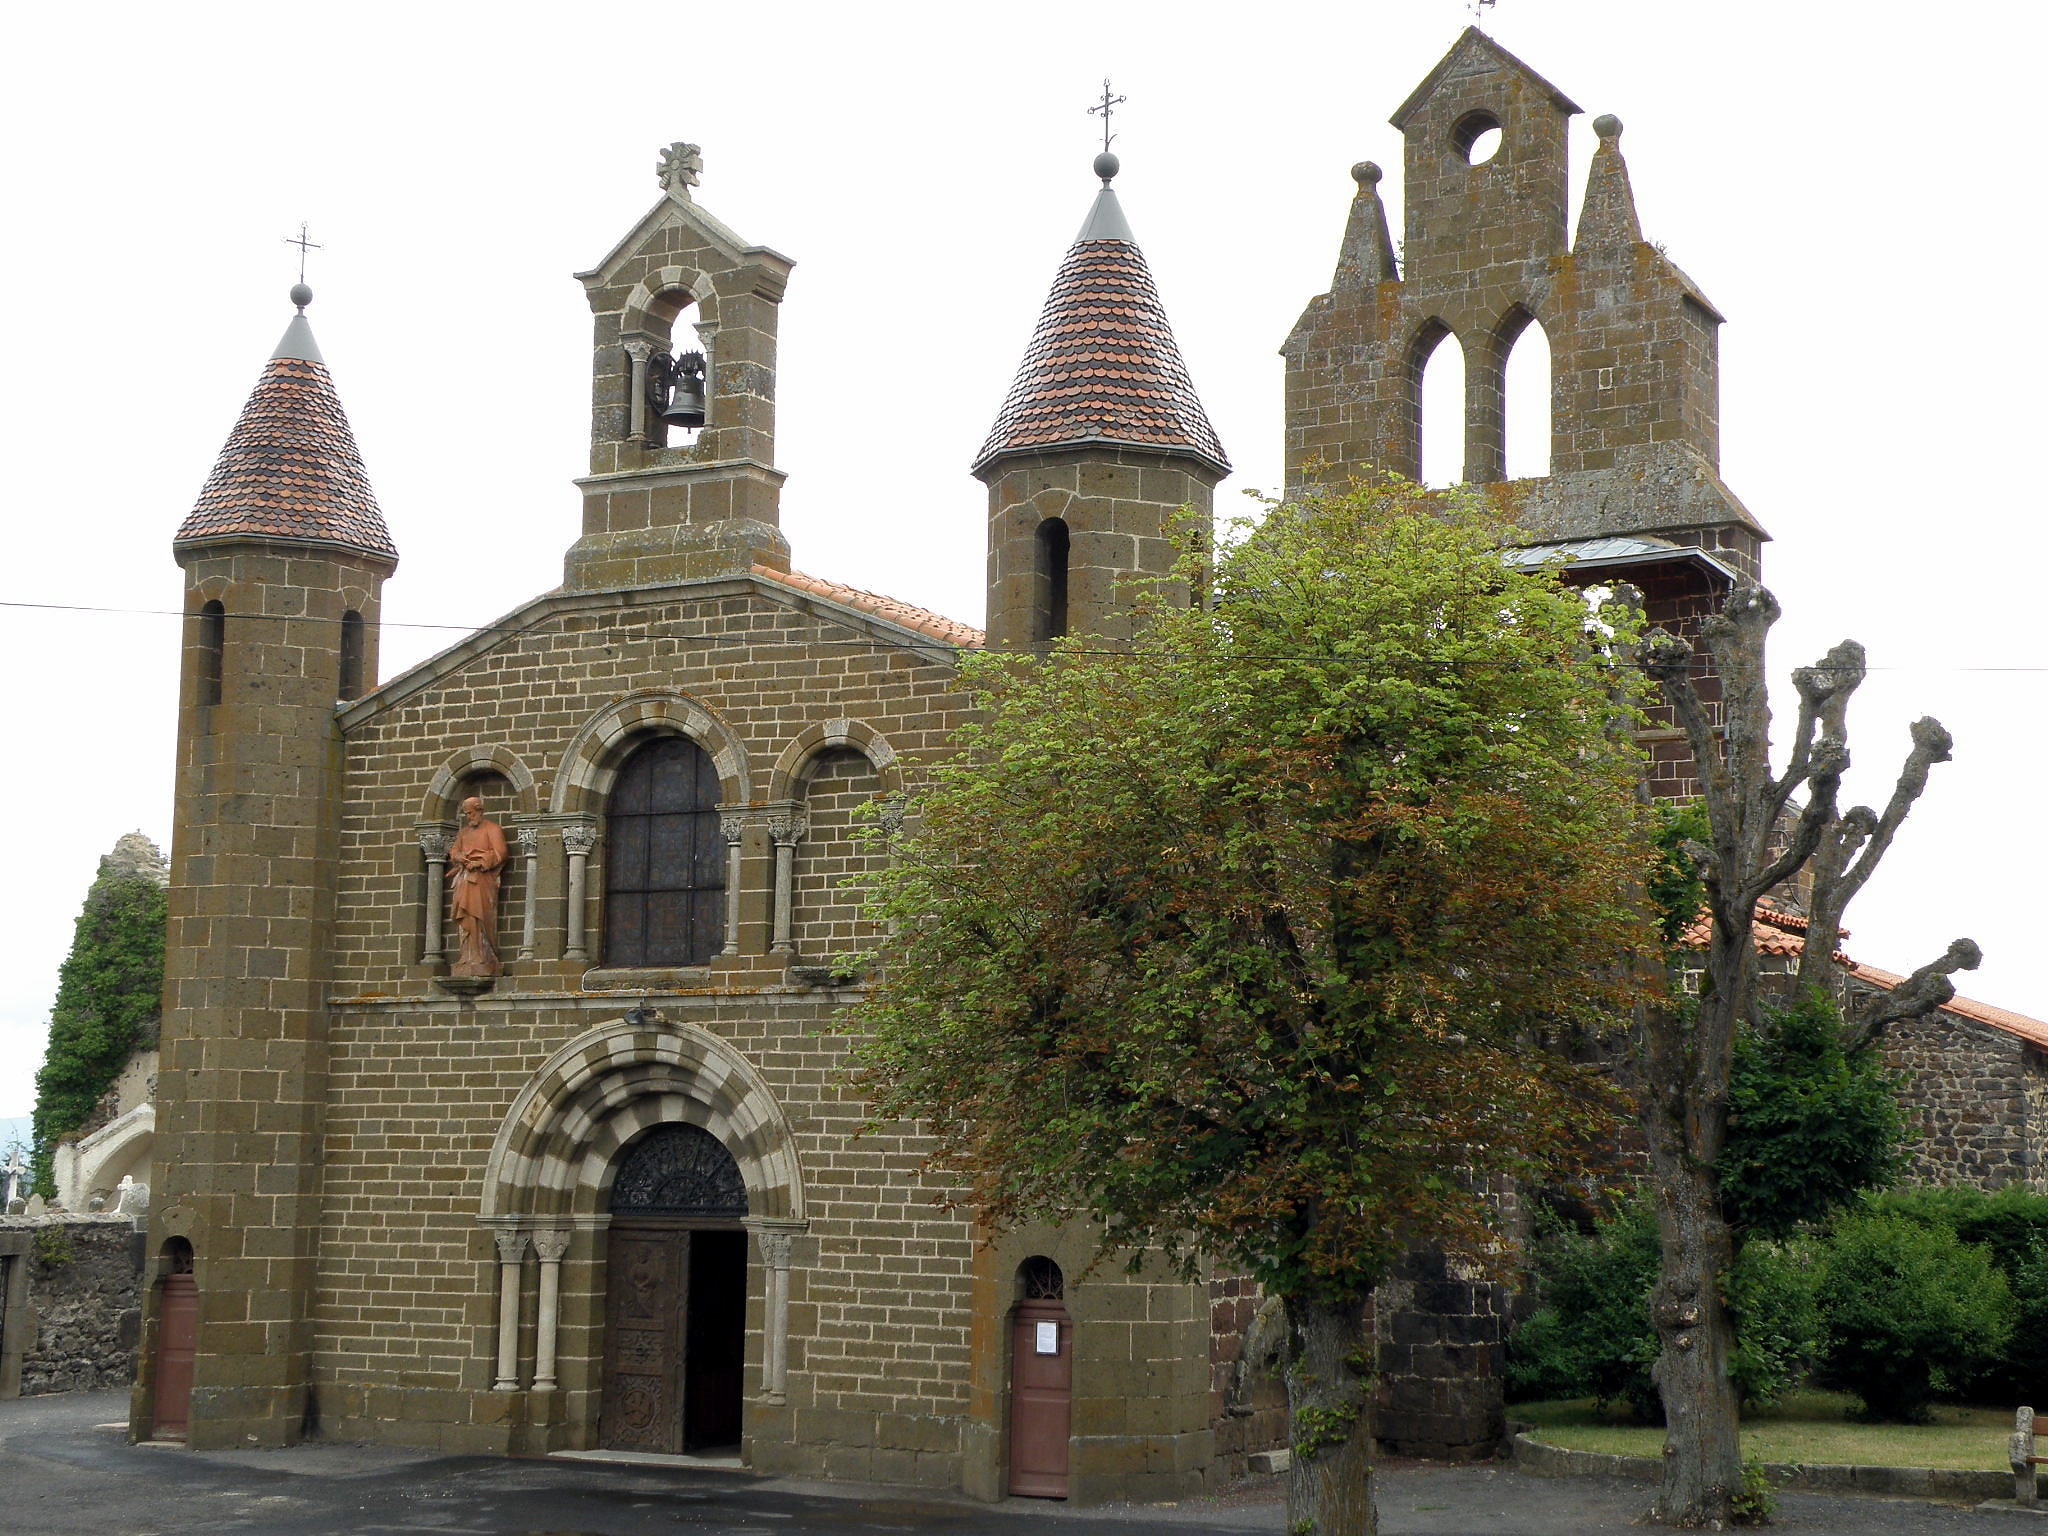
66,1469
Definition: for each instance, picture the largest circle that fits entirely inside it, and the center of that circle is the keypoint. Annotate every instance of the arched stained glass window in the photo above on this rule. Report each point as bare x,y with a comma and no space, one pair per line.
664,883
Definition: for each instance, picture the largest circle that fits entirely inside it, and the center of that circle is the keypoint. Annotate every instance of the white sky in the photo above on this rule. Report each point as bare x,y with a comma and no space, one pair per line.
1857,193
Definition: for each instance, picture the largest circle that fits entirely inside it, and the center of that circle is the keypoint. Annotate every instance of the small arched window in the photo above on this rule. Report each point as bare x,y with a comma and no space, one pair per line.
213,644
664,880
351,655
1050,597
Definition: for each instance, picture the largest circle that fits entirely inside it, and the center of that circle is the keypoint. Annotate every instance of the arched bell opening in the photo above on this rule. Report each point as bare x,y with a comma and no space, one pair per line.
1041,1381
675,1311
669,381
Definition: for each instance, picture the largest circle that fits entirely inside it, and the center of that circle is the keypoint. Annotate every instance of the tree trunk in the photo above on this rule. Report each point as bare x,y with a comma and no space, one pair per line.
1702,1448
1329,1395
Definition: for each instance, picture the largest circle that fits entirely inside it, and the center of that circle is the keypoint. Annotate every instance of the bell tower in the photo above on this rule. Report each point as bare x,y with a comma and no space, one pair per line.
285,557
1100,443
682,484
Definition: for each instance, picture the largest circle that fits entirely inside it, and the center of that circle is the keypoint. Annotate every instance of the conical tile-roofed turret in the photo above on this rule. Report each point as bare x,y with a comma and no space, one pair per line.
1103,366
1099,447
291,469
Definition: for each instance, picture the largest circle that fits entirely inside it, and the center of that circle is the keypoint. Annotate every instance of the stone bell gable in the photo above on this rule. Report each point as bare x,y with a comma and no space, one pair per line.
1635,373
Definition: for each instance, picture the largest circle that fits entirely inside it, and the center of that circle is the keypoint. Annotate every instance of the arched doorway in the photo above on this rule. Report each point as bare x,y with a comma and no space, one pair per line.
1041,1381
675,1296
177,1343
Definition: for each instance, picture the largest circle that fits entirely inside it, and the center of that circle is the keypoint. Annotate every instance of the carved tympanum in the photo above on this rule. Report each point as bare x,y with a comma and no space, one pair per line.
679,1170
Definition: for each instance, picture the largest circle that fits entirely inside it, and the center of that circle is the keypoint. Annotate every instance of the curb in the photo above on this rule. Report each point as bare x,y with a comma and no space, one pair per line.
1543,1460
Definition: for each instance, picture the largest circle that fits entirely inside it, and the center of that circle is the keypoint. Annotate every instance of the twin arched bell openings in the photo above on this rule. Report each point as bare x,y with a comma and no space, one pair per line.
1483,402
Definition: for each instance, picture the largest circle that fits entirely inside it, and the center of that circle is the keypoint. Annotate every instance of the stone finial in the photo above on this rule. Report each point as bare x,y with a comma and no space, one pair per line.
679,168
1607,220
1367,257
132,1198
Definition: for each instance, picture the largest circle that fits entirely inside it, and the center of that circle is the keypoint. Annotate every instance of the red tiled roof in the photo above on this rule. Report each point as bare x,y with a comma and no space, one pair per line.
923,620
1784,934
2033,1031
291,470
1103,367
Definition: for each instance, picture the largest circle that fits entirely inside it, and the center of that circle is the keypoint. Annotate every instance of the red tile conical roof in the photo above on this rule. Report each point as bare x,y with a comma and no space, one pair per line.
1103,367
291,469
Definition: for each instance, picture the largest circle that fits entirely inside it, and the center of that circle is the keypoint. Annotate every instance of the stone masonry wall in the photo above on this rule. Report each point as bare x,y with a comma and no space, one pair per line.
1973,1097
71,1297
831,858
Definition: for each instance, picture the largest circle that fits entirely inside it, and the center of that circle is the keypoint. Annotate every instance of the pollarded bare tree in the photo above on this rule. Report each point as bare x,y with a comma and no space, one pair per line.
1761,838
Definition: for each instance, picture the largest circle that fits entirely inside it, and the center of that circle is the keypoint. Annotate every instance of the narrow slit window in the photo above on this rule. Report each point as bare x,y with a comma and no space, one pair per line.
351,655
1052,549
213,644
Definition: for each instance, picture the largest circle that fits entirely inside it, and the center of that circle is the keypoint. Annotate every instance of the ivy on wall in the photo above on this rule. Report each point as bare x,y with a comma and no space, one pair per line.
109,997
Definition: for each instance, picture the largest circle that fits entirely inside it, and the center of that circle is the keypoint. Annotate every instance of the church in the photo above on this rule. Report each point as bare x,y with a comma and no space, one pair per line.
501,1106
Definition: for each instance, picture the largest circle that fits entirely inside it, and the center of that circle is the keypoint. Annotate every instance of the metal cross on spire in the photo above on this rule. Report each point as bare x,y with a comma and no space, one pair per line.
1479,8
1105,107
304,246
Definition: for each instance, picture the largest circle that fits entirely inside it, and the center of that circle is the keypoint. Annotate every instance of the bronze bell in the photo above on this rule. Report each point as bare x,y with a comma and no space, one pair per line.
685,407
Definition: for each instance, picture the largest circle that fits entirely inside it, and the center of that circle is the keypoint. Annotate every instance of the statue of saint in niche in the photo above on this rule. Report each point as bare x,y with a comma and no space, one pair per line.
476,861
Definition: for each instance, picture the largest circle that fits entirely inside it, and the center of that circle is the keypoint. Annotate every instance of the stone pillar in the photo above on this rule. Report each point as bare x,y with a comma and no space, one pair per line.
550,1245
636,405
511,1256
434,847
529,853
705,332
734,825
787,828
777,1239
577,841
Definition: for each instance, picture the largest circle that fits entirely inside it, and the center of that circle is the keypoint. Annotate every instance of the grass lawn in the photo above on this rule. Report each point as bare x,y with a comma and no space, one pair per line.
1807,1427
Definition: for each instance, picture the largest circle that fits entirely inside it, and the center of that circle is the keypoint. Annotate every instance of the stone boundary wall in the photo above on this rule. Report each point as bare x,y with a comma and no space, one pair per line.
1969,1093
1543,1460
70,1303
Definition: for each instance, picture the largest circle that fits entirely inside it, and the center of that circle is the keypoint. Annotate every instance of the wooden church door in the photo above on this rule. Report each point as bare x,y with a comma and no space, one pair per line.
1041,1383
177,1345
675,1297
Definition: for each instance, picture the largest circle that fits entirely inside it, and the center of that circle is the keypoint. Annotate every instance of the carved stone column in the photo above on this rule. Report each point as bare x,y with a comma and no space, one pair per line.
734,825
706,332
787,827
577,841
640,352
511,1257
776,1239
434,848
529,853
550,1246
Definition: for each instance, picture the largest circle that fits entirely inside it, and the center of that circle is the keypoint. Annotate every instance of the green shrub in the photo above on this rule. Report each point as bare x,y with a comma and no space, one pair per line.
1777,1326
1909,1312
1591,1333
2013,1226
1809,1127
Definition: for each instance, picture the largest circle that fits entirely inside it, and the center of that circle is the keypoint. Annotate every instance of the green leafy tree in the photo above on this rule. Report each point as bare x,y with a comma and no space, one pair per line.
1811,1123
1249,939
109,997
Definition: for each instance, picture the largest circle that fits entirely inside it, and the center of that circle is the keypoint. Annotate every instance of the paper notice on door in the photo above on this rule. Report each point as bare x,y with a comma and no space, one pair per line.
1048,1339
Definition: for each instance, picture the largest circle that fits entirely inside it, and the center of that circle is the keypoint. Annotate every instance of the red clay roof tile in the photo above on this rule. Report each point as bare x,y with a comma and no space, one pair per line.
1103,367
923,620
291,470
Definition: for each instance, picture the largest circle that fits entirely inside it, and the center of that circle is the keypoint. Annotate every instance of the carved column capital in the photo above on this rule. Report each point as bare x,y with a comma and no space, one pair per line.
788,827
579,837
551,1245
638,348
775,1248
733,824
434,844
529,840
890,813
511,1247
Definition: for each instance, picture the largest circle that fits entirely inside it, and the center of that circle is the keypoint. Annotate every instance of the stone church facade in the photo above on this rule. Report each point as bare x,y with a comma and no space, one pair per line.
612,1197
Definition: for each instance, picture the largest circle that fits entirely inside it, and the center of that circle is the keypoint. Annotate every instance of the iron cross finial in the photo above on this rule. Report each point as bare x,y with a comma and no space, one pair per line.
304,246
1105,107
1479,8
